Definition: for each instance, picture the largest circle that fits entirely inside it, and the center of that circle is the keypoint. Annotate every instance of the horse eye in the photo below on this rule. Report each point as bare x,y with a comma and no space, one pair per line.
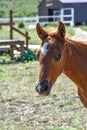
57,58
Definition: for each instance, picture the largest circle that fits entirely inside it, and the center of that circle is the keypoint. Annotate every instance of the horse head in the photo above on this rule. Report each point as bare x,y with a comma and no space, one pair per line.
50,57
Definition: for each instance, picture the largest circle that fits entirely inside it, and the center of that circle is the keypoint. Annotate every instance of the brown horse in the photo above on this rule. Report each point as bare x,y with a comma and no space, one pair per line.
59,54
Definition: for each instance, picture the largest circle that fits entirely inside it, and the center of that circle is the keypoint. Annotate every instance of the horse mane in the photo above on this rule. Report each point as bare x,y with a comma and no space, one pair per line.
78,50
76,42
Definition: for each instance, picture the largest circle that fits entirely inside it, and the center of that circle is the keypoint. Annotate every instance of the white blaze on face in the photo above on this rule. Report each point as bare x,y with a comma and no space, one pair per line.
44,49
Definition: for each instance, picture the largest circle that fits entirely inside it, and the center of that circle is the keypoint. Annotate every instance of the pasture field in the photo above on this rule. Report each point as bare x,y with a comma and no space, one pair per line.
4,33
21,108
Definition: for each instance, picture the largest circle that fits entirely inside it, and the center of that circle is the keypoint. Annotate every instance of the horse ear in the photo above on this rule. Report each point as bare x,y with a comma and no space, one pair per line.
41,32
61,30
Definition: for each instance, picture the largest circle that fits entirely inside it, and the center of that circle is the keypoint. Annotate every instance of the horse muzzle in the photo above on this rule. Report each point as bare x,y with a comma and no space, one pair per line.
43,87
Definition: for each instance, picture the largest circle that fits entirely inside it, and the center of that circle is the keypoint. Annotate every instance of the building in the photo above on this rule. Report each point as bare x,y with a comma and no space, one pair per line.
53,7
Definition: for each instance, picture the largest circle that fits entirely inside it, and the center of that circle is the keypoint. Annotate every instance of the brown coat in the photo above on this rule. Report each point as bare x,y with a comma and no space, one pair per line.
64,56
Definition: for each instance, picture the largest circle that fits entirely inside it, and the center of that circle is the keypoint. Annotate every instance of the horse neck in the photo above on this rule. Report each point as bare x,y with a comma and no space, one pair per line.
75,62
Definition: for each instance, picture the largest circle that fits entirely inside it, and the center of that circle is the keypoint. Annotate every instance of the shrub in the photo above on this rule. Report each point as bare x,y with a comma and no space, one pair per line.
21,25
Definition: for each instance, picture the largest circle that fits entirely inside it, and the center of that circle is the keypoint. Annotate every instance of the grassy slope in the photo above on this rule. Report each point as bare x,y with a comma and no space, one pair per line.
20,7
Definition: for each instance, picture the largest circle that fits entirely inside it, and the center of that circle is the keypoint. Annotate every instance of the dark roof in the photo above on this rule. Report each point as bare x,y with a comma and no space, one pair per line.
73,1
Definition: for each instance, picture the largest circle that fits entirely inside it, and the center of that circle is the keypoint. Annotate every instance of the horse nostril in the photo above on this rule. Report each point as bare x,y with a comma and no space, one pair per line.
41,88
45,87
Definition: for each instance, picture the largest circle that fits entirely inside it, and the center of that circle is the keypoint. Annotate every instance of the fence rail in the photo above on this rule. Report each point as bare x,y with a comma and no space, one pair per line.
66,18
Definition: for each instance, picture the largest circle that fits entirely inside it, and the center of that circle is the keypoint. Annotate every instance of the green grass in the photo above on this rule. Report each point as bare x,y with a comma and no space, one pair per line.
70,30
21,8
4,33
83,27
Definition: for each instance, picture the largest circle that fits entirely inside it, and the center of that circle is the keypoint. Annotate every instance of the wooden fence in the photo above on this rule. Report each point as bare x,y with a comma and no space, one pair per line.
13,43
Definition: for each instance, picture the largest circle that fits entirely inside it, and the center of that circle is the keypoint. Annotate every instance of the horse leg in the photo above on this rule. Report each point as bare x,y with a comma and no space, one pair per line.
83,97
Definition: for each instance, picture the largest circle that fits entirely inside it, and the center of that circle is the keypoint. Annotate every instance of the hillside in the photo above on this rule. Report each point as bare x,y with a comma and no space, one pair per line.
21,8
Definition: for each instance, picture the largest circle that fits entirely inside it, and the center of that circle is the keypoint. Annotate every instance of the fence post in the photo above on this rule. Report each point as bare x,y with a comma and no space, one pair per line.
62,15
11,24
37,19
11,34
72,13
26,39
